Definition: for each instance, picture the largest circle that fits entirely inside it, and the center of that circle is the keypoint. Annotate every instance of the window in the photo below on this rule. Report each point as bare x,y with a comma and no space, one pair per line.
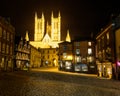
7,49
3,48
11,50
77,43
4,34
8,36
103,43
107,38
99,44
11,37
65,47
89,44
77,51
89,51
0,31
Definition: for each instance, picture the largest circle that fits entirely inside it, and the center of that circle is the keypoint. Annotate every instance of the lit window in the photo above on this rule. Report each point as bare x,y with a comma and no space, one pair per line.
3,48
77,51
107,38
89,44
64,55
89,51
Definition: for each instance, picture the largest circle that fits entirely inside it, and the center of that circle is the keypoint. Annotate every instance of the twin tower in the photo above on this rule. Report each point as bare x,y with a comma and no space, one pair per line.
47,34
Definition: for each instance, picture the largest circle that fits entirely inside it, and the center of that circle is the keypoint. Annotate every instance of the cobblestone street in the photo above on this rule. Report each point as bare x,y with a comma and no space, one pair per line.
43,83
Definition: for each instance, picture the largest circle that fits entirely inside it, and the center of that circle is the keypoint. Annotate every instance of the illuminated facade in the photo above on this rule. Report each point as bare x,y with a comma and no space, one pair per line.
22,53
47,35
7,33
35,57
49,57
78,51
84,52
108,49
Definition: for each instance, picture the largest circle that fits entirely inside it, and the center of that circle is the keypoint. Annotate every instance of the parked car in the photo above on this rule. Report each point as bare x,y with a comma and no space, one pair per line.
65,65
79,67
69,65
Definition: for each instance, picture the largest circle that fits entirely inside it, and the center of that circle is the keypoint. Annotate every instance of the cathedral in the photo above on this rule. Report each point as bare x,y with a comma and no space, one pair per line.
47,35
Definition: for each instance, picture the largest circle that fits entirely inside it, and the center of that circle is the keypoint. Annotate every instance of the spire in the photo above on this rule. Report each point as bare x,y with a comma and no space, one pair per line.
42,15
52,14
59,14
35,14
26,36
68,36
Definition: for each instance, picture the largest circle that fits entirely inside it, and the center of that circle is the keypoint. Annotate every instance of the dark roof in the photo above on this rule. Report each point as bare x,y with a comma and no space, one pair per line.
65,42
82,39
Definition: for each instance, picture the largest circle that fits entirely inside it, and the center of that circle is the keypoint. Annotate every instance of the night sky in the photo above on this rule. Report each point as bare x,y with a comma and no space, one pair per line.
81,17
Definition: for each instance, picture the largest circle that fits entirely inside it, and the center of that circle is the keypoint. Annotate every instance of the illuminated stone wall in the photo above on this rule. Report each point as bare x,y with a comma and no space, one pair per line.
47,36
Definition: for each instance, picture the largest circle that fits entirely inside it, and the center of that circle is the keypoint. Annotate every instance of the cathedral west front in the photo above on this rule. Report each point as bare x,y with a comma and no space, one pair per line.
47,35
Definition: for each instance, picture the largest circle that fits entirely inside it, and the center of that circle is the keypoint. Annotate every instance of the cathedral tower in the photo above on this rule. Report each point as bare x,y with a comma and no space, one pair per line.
39,28
55,28
47,35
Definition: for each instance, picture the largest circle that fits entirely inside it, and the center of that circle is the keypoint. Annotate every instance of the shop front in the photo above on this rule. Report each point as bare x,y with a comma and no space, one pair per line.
104,69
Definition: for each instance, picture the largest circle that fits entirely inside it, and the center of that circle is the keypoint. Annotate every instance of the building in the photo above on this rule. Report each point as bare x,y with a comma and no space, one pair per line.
7,34
35,57
22,53
65,54
78,51
108,49
47,35
49,56
84,52
65,51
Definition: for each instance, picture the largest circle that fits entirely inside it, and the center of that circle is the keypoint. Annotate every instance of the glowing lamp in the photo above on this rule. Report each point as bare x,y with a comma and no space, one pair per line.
118,63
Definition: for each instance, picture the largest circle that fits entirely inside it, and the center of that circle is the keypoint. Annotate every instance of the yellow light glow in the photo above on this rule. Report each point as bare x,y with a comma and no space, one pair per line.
51,37
69,57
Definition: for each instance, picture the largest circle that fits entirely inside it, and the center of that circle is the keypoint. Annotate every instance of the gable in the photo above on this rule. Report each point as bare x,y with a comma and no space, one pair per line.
46,38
